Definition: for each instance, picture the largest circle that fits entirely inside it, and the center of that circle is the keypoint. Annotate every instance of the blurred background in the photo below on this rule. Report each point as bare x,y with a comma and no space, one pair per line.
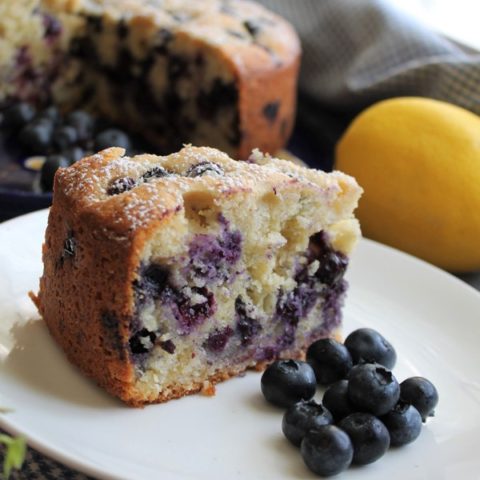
458,19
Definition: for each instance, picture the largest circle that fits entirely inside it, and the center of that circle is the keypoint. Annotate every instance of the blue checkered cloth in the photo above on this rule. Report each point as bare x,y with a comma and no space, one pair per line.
356,52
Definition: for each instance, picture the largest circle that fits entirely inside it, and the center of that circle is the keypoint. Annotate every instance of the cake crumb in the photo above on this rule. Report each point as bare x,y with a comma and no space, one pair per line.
208,389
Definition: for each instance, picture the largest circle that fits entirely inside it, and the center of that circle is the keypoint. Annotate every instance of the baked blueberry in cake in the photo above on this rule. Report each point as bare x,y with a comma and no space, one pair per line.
208,72
163,275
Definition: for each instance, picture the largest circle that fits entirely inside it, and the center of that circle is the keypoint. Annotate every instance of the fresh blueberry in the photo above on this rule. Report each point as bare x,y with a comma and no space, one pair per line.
204,168
44,121
373,388
369,436
421,393
286,382
330,359
368,346
112,138
121,185
17,115
302,417
64,137
47,173
36,137
336,400
82,122
156,172
50,114
404,424
327,450
73,154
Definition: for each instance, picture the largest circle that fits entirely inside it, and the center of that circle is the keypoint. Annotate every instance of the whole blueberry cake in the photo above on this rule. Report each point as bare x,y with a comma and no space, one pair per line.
165,275
208,72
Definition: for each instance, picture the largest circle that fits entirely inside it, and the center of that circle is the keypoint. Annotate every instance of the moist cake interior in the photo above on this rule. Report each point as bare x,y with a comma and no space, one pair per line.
223,289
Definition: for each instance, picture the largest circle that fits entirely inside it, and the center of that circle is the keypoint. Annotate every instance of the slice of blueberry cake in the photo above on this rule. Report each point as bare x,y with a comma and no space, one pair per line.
164,275
208,72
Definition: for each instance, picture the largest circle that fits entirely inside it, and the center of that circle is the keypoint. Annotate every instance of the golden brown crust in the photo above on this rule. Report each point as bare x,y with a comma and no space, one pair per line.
276,88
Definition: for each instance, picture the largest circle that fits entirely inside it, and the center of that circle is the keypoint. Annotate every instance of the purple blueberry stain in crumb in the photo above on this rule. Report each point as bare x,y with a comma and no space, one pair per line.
26,76
212,257
217,340
121,185
223,221
190,306
53,28
332,305
168,346
266,354
333,264
296,304
247,327
152,280
332,267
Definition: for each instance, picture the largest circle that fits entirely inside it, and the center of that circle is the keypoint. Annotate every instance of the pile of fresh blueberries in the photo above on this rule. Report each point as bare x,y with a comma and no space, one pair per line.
364,409
61,139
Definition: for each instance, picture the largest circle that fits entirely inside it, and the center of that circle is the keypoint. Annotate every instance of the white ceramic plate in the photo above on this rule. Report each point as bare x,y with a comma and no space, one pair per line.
432,319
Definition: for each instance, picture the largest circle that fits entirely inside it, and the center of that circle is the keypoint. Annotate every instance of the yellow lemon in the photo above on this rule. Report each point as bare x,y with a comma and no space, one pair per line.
418,161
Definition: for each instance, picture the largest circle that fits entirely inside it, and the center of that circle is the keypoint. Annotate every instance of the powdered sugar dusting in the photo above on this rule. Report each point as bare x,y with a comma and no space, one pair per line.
86,183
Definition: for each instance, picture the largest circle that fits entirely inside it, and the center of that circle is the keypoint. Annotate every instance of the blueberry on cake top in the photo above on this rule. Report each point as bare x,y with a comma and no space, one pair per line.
166,274
208,72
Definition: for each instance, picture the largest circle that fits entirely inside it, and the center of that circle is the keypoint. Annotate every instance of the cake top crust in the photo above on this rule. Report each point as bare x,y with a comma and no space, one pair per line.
130,193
